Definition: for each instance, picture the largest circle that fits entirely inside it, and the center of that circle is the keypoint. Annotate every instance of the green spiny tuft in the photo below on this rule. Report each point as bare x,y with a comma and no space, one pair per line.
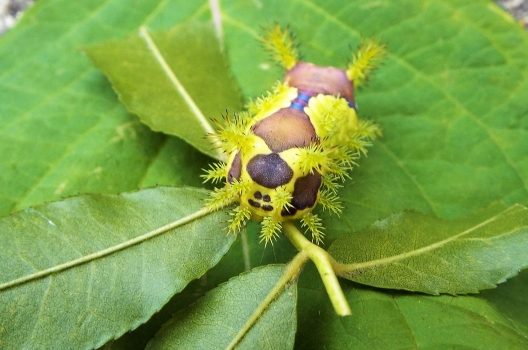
239,217
227,195
330,201
314,225
331,183
279,41
216,173
333,116
282,198
270,230
369,130
358,144
364,61
269,100
315,158
232,132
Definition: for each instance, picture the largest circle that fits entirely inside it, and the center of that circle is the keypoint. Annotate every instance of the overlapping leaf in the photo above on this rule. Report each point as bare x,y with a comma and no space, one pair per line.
510,300
156,77
63,130
421,253
214,321
110,266
383,320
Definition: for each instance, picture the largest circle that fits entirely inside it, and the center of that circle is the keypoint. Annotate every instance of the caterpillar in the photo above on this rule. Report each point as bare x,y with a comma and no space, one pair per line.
291,149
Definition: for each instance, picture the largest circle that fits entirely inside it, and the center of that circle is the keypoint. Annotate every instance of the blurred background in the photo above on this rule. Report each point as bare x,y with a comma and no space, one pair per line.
11,10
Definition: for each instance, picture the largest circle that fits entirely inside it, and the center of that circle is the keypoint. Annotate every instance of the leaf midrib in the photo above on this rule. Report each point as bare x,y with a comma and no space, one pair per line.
105,252
170,74
348,268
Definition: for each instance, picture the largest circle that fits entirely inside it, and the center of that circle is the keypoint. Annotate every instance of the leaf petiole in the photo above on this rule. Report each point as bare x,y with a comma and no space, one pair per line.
325,265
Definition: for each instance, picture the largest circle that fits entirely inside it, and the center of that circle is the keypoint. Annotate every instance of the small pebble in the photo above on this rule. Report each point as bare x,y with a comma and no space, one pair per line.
10,11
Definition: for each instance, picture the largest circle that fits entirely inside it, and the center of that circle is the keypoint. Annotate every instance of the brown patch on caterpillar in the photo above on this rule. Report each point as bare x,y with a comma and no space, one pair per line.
269,170
305,191
320,80
253,203
235,170
289,211
267,207
287,128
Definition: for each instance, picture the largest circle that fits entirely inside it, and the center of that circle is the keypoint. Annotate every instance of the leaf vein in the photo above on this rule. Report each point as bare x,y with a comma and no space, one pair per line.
105,252
402,256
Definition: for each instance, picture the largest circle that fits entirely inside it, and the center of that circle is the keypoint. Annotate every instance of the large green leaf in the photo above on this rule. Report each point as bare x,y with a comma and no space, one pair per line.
232,264
62,129
215,320
403,321
421,253
85,270
156,77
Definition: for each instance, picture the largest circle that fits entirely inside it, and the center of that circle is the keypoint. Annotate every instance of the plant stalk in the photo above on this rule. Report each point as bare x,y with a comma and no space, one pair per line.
325,265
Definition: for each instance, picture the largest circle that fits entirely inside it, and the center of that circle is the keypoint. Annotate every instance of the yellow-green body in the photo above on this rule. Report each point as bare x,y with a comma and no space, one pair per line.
346,121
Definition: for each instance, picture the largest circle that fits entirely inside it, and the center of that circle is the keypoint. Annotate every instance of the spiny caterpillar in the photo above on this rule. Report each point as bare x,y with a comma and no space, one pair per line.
292,147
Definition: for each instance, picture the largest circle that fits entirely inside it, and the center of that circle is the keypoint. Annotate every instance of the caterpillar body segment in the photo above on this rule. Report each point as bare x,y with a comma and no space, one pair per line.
294,145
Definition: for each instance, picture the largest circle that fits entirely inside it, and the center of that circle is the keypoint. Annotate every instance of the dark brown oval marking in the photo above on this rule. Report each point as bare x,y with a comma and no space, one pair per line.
266,198
267,207
321,80
257,195
287,128
305,191
269,170
288,211
235,170
254,203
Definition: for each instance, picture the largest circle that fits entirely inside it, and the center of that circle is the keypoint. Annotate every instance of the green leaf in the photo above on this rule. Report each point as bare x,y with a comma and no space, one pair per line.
85,270
232,264
214,320
384,320
511,301
421,253
155,76
62,129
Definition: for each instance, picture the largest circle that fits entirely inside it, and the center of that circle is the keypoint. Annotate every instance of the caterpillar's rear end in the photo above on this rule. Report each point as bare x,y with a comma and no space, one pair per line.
292,147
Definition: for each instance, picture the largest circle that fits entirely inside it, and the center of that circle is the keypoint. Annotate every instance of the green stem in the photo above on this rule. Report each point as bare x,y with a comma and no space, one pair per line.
325,265
291,272
245,250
